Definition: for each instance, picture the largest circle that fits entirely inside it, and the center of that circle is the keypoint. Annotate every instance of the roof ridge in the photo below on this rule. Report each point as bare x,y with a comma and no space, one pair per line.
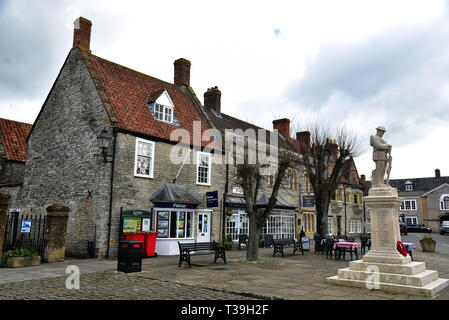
10,120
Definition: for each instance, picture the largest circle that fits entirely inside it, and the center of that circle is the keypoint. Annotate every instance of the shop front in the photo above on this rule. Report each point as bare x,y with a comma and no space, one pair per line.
177,218
280,223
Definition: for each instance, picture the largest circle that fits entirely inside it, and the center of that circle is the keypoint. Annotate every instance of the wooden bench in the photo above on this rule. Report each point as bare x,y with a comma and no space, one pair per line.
196,248
279,244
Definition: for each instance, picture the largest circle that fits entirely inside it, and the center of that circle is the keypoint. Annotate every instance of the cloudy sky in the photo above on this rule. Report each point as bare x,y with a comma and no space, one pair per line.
357,63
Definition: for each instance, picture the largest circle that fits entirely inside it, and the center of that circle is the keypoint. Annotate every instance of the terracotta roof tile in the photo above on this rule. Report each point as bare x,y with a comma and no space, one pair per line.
127,92
13,137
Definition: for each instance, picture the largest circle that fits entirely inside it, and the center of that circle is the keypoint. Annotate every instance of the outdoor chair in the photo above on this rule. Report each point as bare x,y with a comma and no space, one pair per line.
243,239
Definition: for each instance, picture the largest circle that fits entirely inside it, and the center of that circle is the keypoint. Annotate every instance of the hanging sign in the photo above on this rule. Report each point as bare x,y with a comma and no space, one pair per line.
308,201
212,199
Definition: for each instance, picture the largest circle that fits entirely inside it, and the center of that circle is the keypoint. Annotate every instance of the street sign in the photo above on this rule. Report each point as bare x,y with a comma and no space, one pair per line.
26,226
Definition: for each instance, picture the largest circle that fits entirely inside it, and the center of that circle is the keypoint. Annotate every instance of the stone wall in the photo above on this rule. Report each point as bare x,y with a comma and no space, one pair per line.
433,208
11,171
64,162
131,192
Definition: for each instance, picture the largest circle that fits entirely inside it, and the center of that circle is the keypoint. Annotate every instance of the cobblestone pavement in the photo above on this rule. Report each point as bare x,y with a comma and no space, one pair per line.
111,285
299,277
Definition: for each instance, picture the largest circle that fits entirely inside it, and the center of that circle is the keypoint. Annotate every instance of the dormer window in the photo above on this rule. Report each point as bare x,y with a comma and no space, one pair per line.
409,186
163,113
162,107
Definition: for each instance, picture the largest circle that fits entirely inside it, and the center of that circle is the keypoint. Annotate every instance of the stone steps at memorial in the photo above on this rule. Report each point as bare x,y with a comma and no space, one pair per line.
428,290
407,269
417,280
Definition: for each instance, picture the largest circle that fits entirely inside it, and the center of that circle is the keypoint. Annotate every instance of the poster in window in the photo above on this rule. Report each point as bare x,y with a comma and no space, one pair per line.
181,225
146,224
162,224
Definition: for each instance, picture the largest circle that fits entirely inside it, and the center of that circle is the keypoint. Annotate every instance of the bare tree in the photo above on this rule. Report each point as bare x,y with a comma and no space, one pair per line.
250,177
324,155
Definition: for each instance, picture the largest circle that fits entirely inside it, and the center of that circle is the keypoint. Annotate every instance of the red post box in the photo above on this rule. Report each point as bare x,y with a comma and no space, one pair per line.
150,244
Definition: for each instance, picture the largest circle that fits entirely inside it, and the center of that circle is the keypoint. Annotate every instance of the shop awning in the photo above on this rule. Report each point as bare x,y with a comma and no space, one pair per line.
174,193
235,202
261,202
280,203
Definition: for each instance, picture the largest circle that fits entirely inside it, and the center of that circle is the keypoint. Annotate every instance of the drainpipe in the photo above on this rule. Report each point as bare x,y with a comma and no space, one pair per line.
111,190
223,227
344,202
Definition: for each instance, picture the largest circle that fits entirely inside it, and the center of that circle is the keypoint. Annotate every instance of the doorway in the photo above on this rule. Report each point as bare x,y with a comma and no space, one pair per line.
203,227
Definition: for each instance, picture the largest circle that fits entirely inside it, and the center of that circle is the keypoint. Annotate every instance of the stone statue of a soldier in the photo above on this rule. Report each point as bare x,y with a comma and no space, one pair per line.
381,157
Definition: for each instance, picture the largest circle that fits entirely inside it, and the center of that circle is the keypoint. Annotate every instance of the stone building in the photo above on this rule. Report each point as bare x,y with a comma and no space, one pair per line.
155,160
283,221
426,200
13,150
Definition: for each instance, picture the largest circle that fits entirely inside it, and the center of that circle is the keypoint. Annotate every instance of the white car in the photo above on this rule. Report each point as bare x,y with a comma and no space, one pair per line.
444,227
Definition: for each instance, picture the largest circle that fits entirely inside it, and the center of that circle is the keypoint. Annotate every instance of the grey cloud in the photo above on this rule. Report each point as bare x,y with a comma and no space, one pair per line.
399,76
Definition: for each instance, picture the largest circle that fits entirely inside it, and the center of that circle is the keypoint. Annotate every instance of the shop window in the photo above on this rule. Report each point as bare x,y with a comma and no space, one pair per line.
144,158
203,168
175,224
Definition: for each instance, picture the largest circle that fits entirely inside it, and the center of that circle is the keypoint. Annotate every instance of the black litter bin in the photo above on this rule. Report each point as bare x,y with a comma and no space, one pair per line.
129,256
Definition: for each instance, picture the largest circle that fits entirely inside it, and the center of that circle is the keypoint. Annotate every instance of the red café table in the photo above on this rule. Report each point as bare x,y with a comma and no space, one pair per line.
338,246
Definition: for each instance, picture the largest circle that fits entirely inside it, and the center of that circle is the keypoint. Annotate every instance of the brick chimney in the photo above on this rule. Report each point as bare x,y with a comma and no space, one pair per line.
81,34
437,173
303,137
363,178
182,72
333,147
283,126
212,99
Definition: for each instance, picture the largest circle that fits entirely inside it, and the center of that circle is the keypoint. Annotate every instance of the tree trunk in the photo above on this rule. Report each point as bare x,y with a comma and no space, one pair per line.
252,251
322,208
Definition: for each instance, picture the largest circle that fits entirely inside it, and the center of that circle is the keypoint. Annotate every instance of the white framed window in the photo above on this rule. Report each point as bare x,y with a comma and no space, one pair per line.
359,226
174,224
237,190
203,168
411,220
163,113
329,225
444,202
144,158
351,226
409,186
408,205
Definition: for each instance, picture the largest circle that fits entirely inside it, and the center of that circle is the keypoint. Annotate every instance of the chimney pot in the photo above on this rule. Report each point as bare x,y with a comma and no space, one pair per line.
81,33
182,72
212,99
283,126
437,173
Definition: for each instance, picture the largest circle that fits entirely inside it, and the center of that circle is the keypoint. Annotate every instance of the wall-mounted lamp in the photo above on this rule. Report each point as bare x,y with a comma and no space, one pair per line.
104,139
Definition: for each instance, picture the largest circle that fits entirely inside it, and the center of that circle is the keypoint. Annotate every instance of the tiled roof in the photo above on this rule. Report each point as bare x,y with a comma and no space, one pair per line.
13,138
419,184
224,121
127,92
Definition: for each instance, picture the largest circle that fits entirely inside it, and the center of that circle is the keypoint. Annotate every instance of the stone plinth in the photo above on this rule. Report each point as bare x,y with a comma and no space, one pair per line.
56,232
383,267
4,201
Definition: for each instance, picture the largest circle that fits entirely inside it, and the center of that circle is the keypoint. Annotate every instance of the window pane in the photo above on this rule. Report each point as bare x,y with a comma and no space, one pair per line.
173,222
181,224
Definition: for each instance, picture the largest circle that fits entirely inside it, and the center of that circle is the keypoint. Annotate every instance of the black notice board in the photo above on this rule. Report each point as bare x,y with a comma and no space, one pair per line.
308,201
212,199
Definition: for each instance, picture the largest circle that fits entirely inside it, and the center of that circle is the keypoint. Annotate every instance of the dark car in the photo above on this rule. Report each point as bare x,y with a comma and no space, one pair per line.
403,228
418,228
444,227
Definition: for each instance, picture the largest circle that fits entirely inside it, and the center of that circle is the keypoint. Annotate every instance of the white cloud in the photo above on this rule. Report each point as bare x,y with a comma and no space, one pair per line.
233,44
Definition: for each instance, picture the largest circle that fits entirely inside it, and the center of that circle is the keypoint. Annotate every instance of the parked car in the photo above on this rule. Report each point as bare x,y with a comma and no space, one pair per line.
403,228
418,228
444,227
